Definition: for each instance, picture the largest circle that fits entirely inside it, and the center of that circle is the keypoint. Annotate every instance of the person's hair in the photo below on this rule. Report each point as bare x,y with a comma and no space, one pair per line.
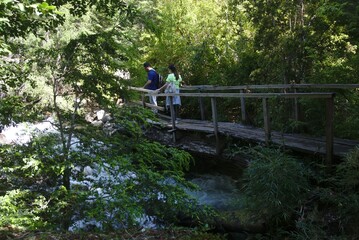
174,70
146,64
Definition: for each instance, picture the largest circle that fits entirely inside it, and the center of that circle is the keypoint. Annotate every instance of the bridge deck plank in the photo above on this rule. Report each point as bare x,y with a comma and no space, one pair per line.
303,143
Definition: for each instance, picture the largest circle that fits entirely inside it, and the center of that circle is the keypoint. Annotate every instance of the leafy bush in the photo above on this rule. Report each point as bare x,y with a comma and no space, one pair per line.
348,202
333,209
275,185
348,171
22,208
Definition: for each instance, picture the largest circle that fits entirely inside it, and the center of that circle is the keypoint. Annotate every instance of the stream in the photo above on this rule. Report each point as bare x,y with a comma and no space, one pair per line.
217,191
219,184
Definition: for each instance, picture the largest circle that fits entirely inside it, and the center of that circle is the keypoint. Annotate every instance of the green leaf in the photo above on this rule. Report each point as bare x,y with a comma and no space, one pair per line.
21,7
4,20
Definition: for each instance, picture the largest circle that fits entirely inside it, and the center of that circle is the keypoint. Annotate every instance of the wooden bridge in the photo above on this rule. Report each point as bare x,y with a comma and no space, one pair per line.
328,145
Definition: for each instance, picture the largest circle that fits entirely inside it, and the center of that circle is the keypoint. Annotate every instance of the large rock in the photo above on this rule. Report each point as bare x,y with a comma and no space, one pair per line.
100,114
3,139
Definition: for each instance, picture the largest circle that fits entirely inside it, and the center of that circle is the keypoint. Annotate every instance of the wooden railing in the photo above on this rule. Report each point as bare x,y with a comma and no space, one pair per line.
269,86
295,88
264,96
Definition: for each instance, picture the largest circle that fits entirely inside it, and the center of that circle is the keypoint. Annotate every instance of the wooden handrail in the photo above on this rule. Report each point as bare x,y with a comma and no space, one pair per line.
141,89
269,86
248,87
248,95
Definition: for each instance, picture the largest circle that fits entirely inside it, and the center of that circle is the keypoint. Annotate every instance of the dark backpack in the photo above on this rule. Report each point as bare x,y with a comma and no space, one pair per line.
160,81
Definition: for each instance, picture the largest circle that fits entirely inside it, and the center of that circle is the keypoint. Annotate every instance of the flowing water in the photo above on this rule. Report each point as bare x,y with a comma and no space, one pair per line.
219,183
217,191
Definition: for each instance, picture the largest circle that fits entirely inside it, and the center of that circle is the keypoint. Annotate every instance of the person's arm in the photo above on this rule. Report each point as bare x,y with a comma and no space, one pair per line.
147,83
163,87
180,82
169,79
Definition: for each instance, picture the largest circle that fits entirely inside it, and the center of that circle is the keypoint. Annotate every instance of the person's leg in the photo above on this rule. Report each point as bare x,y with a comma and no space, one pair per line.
153,100
168,111
177,104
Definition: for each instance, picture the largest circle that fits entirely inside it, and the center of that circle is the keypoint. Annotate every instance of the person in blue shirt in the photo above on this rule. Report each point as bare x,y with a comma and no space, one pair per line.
152,81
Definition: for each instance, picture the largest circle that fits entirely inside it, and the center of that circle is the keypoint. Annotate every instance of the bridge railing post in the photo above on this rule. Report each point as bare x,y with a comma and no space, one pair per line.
201,107
296,106
215,123
143,100
329,132
243,108
266,118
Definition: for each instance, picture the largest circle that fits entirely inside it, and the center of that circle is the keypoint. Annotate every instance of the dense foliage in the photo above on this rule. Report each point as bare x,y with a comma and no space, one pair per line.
297,198
277,183
67,59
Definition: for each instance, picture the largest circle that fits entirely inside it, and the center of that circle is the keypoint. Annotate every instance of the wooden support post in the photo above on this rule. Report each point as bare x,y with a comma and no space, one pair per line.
201,106
215,124
173,119
329,130
143,100
243,108
296,107
267,130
